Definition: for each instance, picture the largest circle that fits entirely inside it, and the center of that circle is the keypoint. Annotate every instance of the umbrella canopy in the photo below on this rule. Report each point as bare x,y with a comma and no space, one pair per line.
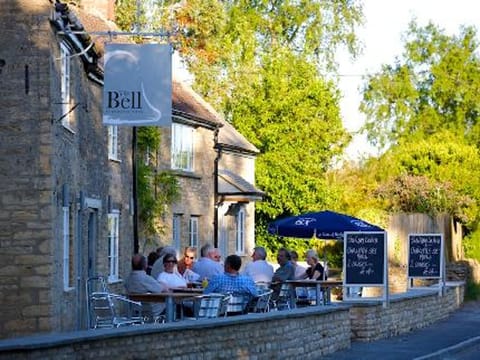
323,224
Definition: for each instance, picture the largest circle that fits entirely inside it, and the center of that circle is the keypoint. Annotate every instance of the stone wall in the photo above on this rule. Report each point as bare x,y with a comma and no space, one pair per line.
39,157
406,312
307,333
25,167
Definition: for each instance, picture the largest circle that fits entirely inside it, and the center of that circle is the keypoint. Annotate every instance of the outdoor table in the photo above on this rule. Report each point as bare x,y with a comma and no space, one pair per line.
320,286
193,291
169,298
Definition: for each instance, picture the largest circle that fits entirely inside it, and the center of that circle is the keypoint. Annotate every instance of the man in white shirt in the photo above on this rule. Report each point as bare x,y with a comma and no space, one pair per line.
259,269
208,265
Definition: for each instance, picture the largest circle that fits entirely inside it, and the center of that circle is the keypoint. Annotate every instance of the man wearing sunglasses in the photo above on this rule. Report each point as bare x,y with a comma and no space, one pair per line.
185,265
187,261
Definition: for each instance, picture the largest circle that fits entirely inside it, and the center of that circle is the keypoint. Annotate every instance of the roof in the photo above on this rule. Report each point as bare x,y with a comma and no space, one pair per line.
232,187
186,102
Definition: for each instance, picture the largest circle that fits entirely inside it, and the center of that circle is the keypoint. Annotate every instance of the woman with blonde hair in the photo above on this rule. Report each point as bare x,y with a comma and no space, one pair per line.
315,271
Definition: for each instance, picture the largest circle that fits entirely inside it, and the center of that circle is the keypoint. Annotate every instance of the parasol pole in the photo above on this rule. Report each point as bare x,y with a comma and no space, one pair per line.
324,253
324,259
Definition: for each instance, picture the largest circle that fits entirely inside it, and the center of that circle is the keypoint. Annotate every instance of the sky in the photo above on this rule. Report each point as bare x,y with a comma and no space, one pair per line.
385,22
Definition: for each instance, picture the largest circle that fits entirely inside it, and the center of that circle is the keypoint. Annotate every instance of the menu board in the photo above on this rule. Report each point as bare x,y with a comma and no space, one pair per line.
364,258
424,255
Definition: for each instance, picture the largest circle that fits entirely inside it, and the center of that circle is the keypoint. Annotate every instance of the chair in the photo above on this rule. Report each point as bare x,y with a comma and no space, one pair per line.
96,284
285,298
305,295
211,305
153,313
105,310
237,304
262,286
262,304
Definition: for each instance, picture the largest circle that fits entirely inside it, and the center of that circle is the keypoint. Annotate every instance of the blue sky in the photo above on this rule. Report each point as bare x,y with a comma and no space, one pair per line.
386,21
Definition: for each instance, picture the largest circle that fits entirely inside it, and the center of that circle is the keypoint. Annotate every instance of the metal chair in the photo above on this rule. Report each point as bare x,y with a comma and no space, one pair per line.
262,303
211,305
305,295
238,304
285,298
105,310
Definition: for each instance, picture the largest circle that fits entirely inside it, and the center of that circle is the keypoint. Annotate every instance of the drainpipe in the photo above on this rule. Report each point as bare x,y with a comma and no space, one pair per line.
134,190
215,188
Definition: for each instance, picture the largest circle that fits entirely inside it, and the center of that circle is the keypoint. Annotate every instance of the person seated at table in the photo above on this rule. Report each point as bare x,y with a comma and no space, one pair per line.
185,265
299,269
170,277
158,265
231,281
259,269
285,272
315,270
138,282
152,257
208,266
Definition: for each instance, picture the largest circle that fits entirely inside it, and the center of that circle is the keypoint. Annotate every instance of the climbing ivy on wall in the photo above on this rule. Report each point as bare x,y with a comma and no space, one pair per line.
156,190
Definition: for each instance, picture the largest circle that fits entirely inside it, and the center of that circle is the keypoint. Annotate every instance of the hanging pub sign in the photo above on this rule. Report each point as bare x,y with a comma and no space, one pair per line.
137,85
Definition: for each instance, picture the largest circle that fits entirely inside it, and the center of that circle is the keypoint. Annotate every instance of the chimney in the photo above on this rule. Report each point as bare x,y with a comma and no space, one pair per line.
102,8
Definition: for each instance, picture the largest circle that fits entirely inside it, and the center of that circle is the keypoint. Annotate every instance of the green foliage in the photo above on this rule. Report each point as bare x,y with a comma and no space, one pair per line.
472,292
439,174
126,14
260,64
434,86
292,117
155,190
411,194
471,245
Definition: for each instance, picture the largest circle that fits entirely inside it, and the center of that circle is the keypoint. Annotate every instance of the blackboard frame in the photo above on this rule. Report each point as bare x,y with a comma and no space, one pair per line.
381,263
439,259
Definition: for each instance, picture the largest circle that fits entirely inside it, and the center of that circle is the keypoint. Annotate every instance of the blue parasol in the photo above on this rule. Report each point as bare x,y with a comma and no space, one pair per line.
323,225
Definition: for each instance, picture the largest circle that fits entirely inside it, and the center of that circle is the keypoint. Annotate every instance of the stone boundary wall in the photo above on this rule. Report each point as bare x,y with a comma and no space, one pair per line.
308,333
408,311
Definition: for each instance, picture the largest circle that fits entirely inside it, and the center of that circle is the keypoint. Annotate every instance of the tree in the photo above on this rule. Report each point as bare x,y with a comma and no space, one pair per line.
433,86
262,64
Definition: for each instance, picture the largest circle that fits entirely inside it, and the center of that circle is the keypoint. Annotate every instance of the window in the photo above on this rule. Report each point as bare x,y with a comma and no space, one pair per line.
176,231
65,84
182,147
113,142
67,238
193,231
240,231
113,233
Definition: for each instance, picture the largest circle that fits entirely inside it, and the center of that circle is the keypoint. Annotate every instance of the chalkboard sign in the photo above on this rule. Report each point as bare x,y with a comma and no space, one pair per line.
364,258
425,255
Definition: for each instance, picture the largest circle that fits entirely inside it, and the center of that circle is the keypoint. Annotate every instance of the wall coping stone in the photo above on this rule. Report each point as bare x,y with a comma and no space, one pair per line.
56,339
397,297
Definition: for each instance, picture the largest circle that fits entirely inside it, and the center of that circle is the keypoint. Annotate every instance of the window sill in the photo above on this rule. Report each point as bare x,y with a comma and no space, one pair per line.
114,281
114,159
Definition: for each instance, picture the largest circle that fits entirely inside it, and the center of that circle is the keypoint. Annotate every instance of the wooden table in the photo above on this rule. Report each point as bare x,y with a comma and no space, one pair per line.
322,288
169,298
194,291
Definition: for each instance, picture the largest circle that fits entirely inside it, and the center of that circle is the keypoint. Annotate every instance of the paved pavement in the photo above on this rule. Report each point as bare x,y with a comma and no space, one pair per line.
457,337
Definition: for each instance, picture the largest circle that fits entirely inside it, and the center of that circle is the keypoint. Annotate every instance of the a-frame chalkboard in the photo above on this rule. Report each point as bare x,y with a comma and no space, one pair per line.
365,260
425,257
